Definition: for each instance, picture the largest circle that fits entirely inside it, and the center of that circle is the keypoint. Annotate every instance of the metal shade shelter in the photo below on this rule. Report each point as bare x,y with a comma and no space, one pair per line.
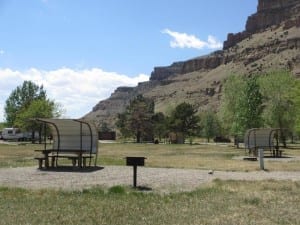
261,138
70,135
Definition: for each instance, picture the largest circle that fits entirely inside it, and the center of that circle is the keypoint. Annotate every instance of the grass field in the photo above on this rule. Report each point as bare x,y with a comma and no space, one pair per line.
216,157
219,202
199,156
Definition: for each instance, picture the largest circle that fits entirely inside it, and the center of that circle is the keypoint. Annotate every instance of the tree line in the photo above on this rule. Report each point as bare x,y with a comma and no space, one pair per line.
264,100
140,121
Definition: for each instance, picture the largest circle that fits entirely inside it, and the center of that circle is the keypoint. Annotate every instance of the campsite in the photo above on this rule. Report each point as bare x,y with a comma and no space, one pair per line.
150,112
192,197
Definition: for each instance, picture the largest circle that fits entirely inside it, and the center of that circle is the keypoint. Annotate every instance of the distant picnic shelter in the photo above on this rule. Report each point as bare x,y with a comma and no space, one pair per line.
264,138
74,139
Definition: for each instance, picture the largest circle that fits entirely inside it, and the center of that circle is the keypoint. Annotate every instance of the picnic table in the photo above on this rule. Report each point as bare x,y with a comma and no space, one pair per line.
75,156
44,157
277,153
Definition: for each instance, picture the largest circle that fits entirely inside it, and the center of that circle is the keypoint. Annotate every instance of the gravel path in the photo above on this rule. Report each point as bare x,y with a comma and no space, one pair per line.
162,180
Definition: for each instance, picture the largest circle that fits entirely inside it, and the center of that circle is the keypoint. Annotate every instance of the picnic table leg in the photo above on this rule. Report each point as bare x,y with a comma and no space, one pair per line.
47,160
74,162
84,162
80,160
40,163
52,161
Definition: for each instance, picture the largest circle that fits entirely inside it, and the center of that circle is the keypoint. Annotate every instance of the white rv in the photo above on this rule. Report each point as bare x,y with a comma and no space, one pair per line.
14,134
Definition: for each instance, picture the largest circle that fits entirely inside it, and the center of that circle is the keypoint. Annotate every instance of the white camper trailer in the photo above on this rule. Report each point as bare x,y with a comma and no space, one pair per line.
16,134
12,134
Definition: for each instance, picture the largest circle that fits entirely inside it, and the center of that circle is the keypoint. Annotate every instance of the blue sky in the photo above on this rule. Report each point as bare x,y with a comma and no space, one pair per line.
82,50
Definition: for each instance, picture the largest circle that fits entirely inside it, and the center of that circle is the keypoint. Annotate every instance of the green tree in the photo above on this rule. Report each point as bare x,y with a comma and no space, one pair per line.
39,108
295,91
230,113
209,124
252,104
241,106
280,107
137,119
160,128
184,120
2,125
123,124
20,99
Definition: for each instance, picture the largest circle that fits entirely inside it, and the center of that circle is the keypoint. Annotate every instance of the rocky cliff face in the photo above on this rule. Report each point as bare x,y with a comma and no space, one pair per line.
107,110
271,41
163,72
269,14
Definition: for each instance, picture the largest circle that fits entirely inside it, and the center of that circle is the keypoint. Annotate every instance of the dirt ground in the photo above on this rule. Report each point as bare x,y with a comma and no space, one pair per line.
160,180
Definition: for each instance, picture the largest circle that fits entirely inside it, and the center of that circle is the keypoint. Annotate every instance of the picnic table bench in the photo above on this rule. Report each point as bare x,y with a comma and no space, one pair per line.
273,152
78,157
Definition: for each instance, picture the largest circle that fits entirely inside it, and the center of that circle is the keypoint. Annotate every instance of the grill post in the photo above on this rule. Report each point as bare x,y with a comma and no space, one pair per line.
135,161
134,175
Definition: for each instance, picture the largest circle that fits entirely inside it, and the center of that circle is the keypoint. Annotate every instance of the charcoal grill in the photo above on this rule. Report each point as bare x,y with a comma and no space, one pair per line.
135,162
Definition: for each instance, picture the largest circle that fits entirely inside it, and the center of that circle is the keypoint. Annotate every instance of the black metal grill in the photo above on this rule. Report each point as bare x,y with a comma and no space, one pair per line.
135,161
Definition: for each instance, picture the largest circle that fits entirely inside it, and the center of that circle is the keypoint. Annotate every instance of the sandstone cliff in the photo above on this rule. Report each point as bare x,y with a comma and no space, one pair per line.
269,14
270,41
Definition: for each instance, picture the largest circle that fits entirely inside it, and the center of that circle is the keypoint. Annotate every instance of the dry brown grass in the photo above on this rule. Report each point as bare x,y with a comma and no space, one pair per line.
17,154
212,156
199,156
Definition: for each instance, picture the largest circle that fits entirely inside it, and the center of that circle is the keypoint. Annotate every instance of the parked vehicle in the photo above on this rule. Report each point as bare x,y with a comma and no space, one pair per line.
16,134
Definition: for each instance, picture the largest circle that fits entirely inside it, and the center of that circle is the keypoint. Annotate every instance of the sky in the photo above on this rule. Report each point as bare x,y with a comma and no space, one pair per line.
82,50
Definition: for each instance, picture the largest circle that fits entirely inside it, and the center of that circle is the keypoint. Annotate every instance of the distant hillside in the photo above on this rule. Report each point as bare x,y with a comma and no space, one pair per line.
270,41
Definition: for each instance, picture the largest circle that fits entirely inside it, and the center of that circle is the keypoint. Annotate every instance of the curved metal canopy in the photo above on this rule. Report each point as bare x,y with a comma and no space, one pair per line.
72,134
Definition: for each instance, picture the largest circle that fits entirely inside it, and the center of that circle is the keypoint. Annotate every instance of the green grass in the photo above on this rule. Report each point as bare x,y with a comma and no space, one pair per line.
220,202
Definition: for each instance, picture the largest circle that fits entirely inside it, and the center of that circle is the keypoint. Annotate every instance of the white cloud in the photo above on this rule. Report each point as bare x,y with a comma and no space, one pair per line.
76,90
213,42
183,40
2,52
